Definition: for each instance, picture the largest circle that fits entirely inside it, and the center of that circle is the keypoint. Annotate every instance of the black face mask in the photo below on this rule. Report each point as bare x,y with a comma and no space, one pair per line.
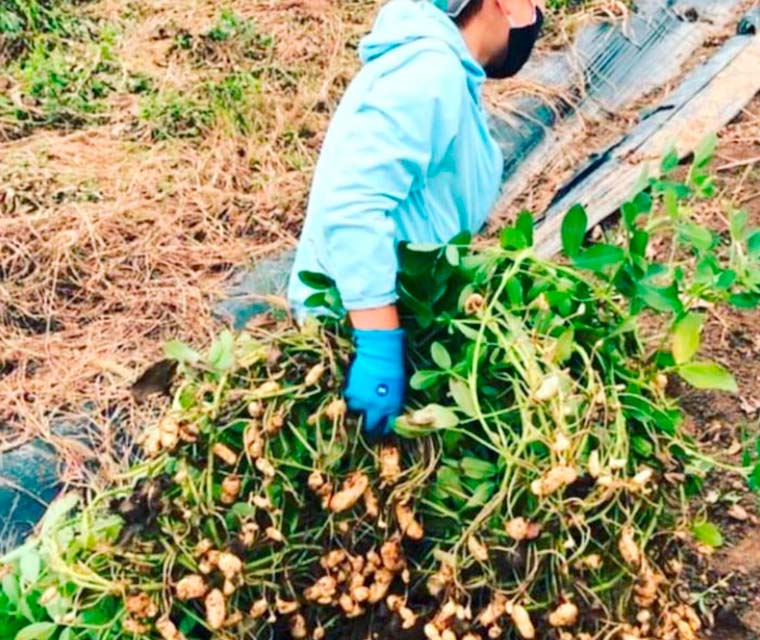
517,51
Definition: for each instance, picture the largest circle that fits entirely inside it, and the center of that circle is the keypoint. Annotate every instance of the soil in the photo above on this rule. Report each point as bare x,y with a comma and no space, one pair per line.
726,584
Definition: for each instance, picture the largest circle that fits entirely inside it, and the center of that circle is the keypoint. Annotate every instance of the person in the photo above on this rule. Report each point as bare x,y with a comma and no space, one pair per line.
408,156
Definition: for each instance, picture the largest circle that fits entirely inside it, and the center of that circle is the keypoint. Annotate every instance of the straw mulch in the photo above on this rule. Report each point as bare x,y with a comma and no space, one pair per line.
112,241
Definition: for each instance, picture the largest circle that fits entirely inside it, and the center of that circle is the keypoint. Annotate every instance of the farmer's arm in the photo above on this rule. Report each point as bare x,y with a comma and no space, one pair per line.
397,131
396,134
381,318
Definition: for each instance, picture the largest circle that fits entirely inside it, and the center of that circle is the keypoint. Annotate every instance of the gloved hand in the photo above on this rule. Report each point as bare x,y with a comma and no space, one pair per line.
377,380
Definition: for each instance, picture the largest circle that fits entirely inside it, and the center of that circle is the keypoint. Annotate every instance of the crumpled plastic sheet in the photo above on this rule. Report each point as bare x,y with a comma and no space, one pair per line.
609,67
247,296
28,482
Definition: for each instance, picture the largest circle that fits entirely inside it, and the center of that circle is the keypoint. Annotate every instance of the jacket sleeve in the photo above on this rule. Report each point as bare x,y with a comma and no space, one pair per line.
393,137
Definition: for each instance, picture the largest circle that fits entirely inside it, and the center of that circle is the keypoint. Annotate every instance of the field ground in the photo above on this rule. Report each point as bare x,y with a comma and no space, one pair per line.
730,579
149,149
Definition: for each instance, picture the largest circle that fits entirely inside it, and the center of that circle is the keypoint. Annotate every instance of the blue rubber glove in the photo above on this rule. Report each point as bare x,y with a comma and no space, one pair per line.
377,380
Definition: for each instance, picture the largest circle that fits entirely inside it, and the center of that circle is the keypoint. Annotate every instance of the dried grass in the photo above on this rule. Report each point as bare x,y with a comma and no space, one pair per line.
132,254
111,242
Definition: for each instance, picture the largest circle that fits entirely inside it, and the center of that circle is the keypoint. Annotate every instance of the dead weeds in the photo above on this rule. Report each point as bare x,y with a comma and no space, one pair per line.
113,249
113,239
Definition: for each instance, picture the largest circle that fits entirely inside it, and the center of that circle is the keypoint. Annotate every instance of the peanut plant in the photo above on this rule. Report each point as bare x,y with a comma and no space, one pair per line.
535,487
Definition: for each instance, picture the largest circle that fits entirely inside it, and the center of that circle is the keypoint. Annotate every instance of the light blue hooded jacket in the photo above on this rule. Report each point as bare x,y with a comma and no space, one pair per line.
408,156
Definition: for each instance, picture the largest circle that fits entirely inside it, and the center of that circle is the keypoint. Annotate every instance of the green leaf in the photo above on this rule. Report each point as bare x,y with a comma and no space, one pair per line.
669,161
477,469
704,153
181,352
422,310
30,565
704,182
599,257
686,338
481,495
738,225
447,480
680,190
670,203
221,356
512,238
424,379
440,356
642,446
638,243
241,511
753,244
630,213
754,478
314,280
315,300
643,202
707,533
706,269
460,393
37,631
561,301
463,239
58,607
11,589
416,263
698,237
334,302
25,609
468,331
708,375
725,280
515,292
744,300
660,298
525,225
424,247
452,255
563,349
67,634
574,230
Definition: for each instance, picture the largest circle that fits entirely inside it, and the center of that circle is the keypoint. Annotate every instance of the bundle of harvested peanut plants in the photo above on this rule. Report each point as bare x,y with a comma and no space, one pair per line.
533,489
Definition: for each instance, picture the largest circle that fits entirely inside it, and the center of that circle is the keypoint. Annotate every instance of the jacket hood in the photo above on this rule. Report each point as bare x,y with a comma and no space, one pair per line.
402,22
